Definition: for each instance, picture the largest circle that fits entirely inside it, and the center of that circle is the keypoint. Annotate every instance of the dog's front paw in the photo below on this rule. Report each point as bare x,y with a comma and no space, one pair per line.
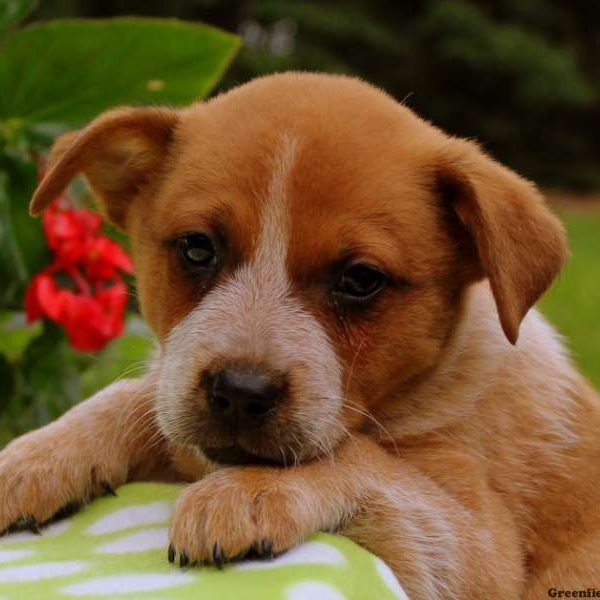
50,473
238,512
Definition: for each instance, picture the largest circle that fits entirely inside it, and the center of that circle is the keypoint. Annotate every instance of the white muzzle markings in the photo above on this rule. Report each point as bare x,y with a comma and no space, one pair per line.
253,317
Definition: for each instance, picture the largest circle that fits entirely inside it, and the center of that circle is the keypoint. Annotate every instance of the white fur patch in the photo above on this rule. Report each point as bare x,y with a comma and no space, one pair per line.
253,317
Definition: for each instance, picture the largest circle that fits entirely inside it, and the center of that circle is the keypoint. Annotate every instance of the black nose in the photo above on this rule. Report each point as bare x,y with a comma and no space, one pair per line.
243,396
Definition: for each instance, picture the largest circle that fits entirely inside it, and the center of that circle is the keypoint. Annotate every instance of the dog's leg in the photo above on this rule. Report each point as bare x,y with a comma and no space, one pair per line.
438,543
91,450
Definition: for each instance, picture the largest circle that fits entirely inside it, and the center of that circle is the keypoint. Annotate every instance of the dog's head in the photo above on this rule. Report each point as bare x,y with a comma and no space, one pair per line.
302,245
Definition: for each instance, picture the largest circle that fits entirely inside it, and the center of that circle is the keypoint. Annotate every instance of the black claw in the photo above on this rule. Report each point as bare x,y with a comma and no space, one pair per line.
27,522
30,522
66,511
108,491
218,557
171,553
266,549
183,559
12,527
242,555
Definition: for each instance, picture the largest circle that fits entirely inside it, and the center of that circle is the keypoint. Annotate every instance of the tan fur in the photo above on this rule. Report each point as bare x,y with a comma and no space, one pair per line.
468,464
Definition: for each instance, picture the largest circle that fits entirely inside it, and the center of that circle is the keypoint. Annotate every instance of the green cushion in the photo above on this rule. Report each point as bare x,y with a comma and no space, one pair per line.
116,548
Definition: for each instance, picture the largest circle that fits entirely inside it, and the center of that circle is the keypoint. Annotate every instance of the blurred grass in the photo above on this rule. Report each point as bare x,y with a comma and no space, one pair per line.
573,303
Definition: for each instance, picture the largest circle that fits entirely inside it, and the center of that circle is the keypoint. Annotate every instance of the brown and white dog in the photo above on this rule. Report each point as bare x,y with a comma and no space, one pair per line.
337,288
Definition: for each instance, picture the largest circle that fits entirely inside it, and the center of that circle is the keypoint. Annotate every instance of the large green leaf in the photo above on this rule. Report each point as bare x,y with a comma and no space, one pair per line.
70,70
14,11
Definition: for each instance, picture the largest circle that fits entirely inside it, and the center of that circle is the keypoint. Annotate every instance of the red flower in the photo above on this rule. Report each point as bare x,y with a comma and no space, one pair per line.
40,298
68,231
90,321
92,308
104,258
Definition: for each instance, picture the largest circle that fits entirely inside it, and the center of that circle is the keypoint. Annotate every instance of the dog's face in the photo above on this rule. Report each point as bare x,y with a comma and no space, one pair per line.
302,246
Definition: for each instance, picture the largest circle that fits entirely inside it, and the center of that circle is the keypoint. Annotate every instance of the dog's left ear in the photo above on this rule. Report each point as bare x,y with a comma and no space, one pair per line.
119,153
521,246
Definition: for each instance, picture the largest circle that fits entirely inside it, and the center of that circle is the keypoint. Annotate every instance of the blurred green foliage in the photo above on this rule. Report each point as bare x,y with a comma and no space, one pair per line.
41,376
573,302
521,77
56,75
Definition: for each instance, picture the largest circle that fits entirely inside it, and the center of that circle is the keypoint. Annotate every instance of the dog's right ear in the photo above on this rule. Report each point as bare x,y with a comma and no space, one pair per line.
520,245
118,153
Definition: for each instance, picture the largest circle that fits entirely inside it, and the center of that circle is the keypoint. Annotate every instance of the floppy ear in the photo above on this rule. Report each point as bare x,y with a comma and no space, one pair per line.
521,246
118,153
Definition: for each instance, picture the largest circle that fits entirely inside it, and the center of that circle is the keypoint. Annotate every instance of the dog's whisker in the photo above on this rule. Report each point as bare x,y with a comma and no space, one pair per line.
283,456
134,425
351,368
366,413
292,447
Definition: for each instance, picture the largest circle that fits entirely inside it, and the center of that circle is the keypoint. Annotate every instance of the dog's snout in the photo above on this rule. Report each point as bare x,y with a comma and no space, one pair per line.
242,396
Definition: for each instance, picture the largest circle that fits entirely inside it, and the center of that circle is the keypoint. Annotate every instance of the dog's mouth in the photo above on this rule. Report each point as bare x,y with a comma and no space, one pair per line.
236,455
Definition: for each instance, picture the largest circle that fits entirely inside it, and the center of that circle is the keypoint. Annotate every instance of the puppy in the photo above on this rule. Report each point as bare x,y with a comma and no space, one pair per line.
337,289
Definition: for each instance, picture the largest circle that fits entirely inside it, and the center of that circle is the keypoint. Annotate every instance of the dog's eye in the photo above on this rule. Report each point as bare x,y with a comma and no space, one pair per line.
359,283
197,251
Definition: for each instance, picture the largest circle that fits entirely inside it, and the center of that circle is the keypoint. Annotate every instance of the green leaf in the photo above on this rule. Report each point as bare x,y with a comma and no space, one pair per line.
50,373
127,356
70,70
14,11
16,333
13,271
23,250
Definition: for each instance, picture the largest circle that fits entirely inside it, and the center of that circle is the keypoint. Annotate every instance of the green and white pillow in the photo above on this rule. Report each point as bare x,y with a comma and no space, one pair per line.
116,548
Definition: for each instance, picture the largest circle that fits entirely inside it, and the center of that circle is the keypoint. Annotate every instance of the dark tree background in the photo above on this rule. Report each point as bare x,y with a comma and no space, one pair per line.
521,76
